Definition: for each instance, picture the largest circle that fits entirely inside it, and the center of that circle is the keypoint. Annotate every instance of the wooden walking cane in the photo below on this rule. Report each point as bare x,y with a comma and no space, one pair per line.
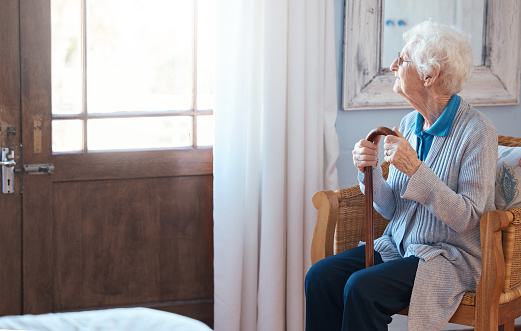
368,183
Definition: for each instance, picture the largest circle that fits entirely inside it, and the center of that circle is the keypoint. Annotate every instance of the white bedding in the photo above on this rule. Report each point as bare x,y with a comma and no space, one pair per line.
118,319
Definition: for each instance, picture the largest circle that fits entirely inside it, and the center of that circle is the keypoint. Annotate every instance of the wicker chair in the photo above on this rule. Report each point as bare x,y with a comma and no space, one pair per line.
497,300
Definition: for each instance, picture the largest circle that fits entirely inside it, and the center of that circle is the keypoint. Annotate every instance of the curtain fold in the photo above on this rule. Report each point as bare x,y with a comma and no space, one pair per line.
275,146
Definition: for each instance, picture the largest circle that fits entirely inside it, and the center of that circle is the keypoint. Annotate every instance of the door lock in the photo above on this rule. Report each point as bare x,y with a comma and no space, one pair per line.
7,163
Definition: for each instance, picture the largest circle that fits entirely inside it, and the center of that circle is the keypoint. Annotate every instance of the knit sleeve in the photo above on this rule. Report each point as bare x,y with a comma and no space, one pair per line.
461,200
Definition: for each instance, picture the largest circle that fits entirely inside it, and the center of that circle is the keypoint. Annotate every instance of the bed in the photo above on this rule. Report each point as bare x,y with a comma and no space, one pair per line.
117,319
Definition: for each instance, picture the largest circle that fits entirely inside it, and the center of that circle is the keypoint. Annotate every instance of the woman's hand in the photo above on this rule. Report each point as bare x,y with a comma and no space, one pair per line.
365,154
400,153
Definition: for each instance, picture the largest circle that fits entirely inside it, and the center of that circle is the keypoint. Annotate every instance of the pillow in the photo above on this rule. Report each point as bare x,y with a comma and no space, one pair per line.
508,178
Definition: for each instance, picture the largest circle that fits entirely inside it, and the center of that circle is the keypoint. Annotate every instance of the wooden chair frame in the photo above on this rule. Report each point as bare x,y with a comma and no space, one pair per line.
497,300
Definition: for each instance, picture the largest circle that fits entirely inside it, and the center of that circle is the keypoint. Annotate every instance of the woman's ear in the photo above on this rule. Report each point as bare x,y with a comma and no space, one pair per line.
429,80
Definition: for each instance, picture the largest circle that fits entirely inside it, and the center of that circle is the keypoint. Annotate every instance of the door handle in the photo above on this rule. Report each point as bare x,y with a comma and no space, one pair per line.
7,164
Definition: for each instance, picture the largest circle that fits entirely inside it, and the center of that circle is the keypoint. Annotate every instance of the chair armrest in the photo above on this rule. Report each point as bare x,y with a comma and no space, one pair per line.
512,253
342,212
326,202
493,267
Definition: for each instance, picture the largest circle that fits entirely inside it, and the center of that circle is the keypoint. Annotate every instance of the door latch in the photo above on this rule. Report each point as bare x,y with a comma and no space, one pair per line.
39,169
7,163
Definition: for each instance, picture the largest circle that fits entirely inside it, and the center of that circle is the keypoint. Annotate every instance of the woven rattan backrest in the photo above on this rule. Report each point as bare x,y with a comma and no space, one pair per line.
509,141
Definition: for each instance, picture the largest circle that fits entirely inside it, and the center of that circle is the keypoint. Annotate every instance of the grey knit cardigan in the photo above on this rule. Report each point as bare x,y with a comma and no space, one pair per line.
435,214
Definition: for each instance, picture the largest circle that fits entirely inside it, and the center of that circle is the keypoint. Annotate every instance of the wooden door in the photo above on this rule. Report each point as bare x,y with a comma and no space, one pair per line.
113,229
10,204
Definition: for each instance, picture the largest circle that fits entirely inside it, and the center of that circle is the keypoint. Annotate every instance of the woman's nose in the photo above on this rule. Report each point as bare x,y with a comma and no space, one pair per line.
394,65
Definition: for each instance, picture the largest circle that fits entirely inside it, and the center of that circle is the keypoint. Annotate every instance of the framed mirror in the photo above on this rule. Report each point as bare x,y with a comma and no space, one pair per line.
368,82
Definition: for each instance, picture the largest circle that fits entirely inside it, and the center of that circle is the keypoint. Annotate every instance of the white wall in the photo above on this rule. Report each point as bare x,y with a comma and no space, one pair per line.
352,126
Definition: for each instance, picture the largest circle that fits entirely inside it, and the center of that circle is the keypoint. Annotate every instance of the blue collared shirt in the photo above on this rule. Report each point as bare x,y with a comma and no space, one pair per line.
440,128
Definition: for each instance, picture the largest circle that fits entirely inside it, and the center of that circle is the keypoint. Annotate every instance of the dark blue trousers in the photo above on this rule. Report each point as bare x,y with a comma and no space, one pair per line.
341,295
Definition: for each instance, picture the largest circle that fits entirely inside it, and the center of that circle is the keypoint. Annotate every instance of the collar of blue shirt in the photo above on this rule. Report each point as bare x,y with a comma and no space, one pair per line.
440,128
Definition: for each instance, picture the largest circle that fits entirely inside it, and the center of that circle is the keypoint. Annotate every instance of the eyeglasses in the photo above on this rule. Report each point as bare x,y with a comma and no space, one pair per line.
400,60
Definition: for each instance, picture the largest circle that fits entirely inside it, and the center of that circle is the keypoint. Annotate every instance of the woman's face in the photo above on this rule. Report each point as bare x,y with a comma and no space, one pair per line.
408,83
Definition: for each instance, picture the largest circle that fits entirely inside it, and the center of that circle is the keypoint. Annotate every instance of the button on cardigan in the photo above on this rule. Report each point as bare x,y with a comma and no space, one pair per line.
435,214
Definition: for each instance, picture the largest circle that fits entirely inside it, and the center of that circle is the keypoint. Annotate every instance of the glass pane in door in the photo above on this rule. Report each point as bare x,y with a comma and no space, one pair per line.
66,57
67,136
139,133
139,55
205,53
205,131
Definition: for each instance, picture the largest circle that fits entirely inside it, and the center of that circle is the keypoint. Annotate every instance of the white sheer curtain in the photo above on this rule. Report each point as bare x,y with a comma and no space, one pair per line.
275,145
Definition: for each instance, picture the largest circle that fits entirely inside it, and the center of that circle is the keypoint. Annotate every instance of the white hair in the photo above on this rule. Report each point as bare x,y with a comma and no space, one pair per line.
434,45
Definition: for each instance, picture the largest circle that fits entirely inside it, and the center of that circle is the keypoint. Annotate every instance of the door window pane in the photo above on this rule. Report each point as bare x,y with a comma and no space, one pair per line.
139,133
139,55
67,136
66,57
205,130
205,53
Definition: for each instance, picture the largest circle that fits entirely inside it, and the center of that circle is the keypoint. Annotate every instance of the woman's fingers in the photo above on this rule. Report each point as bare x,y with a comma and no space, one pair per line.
399,152
365,154
398,133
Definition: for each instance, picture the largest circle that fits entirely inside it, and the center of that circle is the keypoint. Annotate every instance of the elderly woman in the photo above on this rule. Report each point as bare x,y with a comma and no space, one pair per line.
440,182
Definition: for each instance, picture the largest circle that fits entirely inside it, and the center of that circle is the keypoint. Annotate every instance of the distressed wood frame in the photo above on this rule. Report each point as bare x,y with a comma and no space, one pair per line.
366,85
